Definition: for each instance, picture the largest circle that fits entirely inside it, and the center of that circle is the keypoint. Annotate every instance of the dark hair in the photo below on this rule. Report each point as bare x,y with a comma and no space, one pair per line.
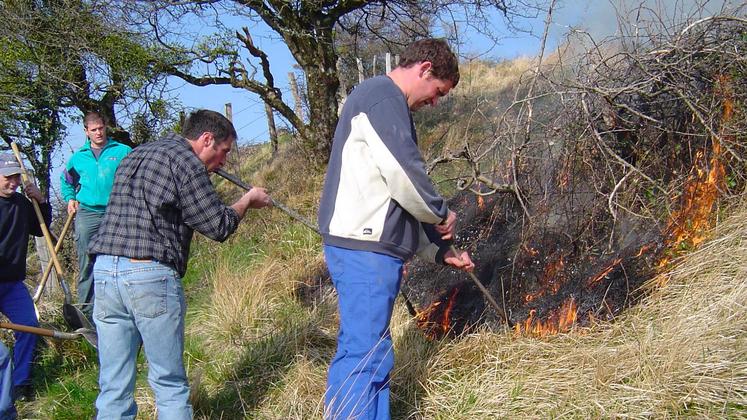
92,117
437,51
204,120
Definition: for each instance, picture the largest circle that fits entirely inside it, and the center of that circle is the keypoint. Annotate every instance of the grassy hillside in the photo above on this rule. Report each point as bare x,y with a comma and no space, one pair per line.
262,322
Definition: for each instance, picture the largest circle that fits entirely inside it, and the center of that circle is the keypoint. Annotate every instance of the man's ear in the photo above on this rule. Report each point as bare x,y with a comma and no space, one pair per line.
207,139
425,67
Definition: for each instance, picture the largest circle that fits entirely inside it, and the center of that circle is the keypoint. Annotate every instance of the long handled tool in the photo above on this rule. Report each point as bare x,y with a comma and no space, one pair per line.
484,291
72,315
57,247
42,223
293,214
88,334
303,220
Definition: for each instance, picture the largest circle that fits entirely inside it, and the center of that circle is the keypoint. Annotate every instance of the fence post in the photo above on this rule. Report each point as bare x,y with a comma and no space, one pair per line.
361,77
272,129
234,158
296,94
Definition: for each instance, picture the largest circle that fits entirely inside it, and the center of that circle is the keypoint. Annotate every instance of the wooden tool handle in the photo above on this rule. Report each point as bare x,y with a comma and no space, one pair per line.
57,247
42,223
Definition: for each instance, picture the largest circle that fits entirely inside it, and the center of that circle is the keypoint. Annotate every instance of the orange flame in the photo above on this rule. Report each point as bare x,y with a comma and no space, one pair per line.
558,321
605,271
689,225
531,251
434,322
643,250
551,280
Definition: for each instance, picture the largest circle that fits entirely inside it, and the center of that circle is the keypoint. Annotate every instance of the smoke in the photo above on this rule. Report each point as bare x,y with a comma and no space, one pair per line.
606,18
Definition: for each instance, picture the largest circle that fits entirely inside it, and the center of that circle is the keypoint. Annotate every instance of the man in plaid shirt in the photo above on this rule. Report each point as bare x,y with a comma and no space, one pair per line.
162,194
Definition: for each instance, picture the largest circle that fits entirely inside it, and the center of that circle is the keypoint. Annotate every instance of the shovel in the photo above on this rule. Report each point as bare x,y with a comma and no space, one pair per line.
72,315
88,334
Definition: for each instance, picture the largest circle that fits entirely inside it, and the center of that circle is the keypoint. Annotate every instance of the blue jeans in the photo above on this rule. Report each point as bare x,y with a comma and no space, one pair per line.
16,304
358,380
7,409
86,225
139,302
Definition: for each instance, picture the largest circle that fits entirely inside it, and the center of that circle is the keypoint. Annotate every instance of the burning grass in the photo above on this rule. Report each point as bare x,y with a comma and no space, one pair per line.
681,352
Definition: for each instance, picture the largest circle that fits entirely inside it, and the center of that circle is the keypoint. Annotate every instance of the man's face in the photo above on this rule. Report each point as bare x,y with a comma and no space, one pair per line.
214,155
428,91
96,132
9,184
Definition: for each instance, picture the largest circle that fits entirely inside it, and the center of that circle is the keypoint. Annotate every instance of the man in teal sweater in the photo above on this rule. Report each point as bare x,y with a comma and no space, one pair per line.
85,185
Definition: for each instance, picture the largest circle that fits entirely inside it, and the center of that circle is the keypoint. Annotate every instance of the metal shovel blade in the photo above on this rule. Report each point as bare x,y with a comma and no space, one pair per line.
74,318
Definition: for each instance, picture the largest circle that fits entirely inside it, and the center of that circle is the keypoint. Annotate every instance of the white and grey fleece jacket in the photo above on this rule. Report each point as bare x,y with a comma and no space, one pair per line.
377,195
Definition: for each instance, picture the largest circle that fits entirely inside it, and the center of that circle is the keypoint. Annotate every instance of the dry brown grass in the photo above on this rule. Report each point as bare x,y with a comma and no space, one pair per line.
681,352
485,78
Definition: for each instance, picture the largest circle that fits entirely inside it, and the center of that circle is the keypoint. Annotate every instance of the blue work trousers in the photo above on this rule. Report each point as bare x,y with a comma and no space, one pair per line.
358,381
139,302
16,304
7,408
86,225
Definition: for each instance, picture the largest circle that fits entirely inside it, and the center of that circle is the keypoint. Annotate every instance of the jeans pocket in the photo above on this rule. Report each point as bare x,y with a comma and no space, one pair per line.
148,293
99,293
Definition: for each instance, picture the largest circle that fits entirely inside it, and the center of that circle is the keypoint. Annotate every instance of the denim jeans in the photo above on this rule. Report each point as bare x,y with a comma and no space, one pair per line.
16,304
86,225
7,409
139,302
358,380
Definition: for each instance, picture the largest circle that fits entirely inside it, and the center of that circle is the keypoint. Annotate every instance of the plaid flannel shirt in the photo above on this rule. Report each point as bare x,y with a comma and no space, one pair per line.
162,194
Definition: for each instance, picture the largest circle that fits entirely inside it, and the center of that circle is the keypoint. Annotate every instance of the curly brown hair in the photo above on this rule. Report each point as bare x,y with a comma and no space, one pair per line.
438,53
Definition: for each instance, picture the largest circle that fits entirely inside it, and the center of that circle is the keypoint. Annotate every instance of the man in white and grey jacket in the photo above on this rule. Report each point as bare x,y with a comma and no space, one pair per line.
378,209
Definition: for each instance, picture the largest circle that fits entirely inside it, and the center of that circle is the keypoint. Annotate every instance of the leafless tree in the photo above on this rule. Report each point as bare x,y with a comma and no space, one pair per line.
232,54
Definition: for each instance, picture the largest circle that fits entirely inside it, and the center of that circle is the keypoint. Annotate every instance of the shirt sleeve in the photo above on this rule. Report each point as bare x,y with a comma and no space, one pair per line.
202,209
430,245
69,180
389,132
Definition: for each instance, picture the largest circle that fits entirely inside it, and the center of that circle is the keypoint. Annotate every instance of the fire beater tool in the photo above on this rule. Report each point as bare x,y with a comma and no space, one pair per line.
88,334
311,226
74,318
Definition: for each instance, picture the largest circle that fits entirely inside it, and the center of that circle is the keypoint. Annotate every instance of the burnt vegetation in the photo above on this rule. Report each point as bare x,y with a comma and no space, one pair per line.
612,157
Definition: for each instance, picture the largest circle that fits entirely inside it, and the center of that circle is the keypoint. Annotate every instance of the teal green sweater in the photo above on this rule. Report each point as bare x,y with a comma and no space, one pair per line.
89,180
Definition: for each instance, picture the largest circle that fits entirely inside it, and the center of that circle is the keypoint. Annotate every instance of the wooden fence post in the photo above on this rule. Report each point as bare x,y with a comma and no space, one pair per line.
296,94
234,158
272,129
361,76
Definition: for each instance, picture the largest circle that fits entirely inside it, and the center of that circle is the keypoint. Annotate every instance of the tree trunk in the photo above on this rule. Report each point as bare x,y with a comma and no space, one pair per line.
323,111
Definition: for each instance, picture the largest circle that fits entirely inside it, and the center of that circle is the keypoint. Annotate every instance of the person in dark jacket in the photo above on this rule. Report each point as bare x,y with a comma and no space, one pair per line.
378,209
17,221
162,194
